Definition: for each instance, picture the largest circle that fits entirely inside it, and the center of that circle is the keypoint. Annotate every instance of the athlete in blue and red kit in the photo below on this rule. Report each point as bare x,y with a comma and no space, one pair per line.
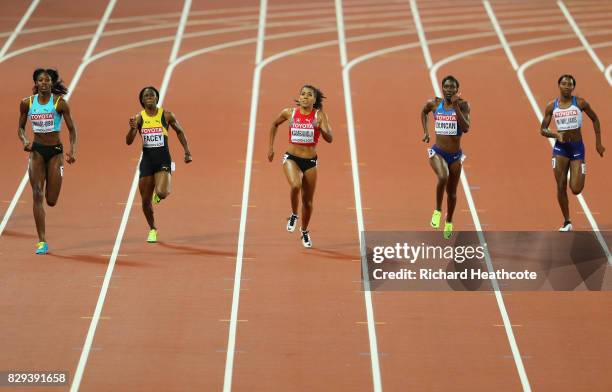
452,119
568,151
307,122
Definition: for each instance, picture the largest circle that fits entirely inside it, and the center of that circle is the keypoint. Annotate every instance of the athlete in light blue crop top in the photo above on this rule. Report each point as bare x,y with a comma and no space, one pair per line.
45,110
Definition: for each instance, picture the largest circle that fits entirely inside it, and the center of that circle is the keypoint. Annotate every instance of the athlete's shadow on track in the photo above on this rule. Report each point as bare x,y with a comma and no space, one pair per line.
97,260
17,234
332,254
190,250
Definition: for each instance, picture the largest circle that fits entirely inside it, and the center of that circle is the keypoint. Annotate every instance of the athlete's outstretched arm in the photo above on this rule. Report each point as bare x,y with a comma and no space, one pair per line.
180,133
325,127
64,110
584,105
544,131
284,115
429,106
135,124
23,119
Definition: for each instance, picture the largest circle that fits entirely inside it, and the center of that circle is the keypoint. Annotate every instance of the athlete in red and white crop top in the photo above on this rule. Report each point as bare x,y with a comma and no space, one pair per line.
304,128
307,122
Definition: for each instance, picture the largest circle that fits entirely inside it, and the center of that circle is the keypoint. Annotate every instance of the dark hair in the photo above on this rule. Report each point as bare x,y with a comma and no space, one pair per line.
140,95
566,76
452,78
319,96
57,84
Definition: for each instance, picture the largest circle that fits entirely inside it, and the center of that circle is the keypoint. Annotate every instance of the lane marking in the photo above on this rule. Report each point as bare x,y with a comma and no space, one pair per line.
471,204
581,36
18,29
350,121
536,109
76,381
233,321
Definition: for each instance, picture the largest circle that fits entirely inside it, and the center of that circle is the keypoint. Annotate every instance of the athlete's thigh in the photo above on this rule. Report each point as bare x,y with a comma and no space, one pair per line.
37,170
55,174
146,185
560,168
454,175
309,183
292,172
163,181
577,173
439,166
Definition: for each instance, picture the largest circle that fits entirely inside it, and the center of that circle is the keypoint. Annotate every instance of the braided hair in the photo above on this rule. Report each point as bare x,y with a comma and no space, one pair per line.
57,84
319,96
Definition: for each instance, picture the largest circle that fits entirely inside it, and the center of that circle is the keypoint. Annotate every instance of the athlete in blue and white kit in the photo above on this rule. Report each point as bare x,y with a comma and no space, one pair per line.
452,119
45,110
568,151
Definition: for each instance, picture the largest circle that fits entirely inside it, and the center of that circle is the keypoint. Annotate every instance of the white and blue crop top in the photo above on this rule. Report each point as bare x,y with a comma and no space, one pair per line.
568,118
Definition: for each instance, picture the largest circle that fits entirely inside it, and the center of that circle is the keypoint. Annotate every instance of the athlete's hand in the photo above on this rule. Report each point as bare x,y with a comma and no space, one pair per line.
133,123
426,138
559,137
70,157
456,98
600,149
270,155
27,146
188,158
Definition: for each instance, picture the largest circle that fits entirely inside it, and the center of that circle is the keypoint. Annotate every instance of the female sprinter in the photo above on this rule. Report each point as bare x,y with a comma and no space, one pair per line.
452,119
156,164
45,110
307,122
568,151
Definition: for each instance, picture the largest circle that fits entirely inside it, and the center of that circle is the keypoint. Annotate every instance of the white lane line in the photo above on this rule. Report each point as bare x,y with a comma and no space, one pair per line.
231,339
5,47
536,109
22,22
374,358
137,44
421,33
78,374
518,360
25,178
581,36
608,73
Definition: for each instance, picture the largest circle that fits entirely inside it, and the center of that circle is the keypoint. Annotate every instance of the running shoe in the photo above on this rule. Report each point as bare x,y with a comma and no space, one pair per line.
156,199
291,221
448,230
435,219
152,238
306,239
567,226
42,248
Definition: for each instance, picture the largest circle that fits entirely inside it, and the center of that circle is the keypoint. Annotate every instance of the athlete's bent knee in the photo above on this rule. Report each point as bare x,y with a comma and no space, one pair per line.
296,187
38,195
576,190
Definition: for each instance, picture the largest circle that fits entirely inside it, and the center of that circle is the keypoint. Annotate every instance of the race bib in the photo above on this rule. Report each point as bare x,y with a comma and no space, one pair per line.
42,122
152,137
301,135
566,119
446,124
